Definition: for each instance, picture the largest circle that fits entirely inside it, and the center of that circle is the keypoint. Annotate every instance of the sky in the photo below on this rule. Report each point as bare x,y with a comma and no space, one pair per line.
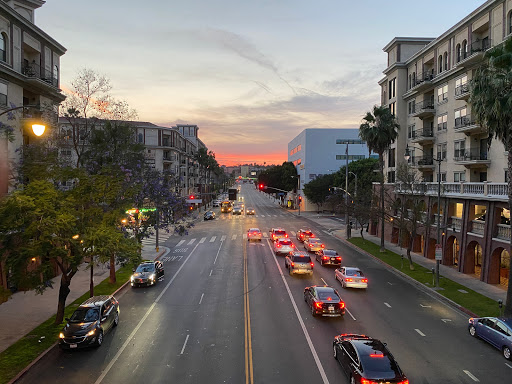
252,74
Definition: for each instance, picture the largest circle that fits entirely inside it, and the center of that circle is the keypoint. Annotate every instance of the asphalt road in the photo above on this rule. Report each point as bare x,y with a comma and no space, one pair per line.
228,312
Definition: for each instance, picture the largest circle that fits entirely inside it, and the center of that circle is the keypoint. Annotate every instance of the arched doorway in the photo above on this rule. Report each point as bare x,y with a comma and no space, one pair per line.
431,248
473,258
499,267
451,252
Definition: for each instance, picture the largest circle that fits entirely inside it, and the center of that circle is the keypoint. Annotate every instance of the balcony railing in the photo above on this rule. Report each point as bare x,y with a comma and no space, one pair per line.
478,227
456,223
425,132
480,45
503,232
34,70
497,191
461,89
464,121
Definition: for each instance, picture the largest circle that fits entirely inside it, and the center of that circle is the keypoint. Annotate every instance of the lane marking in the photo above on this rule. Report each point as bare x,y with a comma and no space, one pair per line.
262,215
180,242
387,305
390,283
201,300
223,238
303,326
420,333
323,281
249,374
244,236
129,338
508,365
184,345
425,306
470,375
353,318
221,242
233,237
329,233
211,272
213,239
265,234
191,242
202,240
293,233
445,320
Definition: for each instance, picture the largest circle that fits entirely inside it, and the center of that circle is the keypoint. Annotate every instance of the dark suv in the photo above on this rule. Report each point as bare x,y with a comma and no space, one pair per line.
147,273
90,321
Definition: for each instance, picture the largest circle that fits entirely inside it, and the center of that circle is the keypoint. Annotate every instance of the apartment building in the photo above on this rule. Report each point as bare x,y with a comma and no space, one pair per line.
427,86
29,76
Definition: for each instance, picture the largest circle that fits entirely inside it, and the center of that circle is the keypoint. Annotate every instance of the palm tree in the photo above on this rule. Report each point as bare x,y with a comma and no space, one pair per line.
379,130
491,102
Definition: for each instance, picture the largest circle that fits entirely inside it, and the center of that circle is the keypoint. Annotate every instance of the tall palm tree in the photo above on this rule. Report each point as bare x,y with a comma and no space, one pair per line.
379,129
491,103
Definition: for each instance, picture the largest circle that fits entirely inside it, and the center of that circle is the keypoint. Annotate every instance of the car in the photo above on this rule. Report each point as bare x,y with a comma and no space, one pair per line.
254,234
496,331
328,256
209,215
324,301
147,273
237,210
298,263
351,277
250,211
304,234
366,360
216,203
278,233
313,244
90,322
283,246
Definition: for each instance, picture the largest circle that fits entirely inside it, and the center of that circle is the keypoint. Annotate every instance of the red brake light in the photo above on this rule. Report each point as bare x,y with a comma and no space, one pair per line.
404,382
349,279
325,258
286,235
342,304
278,245
323,246
338,258
312,265
364,280
293,246
293,265
318,304
376,354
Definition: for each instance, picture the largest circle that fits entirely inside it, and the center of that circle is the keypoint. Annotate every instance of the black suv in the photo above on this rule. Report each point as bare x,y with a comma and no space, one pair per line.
147,273
90,321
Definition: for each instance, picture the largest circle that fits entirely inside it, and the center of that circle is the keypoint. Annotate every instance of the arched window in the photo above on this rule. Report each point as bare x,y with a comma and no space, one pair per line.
440,64
457,49
464,49
3,47
509,20
413,79
445,59
410,81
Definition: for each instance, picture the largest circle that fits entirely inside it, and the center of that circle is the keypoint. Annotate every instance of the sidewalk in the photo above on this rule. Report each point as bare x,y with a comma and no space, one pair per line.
26,310
494,292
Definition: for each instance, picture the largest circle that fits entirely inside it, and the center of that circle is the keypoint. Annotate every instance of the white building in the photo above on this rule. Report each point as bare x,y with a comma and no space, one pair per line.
319,151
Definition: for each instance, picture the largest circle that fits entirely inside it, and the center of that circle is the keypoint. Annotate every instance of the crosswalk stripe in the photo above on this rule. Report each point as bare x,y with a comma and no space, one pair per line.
329,233
257,215
191,241
213,239
223,238
293,233
180,242
262,215
202,240
275,215
233,237
265,234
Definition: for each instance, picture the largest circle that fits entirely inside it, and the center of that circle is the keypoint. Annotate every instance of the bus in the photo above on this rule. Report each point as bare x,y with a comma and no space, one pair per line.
226,207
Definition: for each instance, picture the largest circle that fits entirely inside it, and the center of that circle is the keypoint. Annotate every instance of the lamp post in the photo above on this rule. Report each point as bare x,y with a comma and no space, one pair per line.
355,190
38,129
298,196
439,256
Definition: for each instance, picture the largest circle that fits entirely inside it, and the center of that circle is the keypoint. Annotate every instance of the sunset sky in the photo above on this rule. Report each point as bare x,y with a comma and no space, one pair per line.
252,74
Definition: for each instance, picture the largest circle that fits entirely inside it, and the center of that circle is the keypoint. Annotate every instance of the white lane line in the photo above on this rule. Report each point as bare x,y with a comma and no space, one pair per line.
324,281
221,242
275,215
265,234
223,238
470,375
211,272
202,240
213,239
387,305
180,242
233,237
390,283
293,233
262,215
508,365
184,345
191,242
329,233
419,332
353,318
245,236
303,326
201,300
129,338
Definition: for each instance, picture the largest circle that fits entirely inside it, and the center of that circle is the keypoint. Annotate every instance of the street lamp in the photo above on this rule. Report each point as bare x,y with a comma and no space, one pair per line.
439,256
298,196
38,129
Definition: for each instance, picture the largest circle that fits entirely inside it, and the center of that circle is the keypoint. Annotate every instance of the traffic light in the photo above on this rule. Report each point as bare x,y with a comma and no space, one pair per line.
191,197
261,186
300,199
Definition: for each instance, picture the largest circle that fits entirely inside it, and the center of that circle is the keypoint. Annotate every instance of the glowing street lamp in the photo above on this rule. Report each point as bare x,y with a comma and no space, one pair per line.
37,128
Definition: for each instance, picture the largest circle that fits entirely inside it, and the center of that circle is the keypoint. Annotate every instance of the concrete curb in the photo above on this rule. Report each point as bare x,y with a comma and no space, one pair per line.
406,277
44,353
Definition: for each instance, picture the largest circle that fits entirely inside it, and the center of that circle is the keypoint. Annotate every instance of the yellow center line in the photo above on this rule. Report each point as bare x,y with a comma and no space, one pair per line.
249,378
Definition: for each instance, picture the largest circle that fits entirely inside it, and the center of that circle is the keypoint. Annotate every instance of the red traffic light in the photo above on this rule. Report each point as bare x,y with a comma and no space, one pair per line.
261,186
300,198
192,197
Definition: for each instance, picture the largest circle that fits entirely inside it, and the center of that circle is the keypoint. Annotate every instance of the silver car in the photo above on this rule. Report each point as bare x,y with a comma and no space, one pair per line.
351,277
283,246
313,244
299,263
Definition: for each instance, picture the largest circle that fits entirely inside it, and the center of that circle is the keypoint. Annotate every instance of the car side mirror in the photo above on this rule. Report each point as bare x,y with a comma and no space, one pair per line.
133,270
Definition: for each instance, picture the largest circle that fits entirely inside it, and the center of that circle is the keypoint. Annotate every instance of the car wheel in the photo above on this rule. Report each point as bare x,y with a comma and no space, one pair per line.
335,276
290,271
116,319
313,312
305,298
99,339
343,284
335,353
472,330
506,353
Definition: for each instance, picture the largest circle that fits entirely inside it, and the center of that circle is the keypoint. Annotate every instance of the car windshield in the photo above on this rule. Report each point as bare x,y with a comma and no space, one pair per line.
145,268
85,315
301,259
328,295
353,272
328,252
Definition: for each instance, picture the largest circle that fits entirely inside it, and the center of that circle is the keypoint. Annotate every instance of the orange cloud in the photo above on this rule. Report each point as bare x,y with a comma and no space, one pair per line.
234,158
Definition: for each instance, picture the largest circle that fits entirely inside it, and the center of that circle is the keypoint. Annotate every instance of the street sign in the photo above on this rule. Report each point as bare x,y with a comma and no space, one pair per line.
439,252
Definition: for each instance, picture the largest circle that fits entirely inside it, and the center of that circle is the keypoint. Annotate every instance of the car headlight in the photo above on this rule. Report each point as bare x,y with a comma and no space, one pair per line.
61,335
132,278
152,277
92,332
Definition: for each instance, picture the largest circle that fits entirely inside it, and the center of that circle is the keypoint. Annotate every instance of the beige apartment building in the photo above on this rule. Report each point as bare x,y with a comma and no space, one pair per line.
427,87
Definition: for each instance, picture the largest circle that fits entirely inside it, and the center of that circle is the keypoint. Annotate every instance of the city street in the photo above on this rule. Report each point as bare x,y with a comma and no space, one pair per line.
228,312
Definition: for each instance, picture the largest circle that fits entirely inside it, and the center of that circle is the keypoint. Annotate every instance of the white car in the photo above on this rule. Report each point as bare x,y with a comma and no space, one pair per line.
283,246
313,244
351,277
216,203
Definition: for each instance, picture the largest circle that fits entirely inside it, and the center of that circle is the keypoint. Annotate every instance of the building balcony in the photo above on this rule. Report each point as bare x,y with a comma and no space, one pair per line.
477,227
462,92
422,162
425,109
34,71
461,190
471,158
467,126
475,54
423,135
503,232
455,223
422,82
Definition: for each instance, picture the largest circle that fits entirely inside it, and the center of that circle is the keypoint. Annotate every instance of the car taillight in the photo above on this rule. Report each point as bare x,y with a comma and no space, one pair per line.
323,246
366,381
325,258
404,382
349,279
338,258
292,265
278,245
312,265
310,245
342,304
318,304
293,246
364,280
286,235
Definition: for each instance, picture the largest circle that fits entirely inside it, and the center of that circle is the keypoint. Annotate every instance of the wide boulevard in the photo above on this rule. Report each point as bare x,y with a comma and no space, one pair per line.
227,312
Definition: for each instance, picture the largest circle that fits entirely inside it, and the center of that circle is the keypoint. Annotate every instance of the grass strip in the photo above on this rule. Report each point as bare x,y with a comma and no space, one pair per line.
15,358
473,301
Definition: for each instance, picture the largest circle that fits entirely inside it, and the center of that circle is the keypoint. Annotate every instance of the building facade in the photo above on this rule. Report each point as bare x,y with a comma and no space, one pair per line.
427,86
319,151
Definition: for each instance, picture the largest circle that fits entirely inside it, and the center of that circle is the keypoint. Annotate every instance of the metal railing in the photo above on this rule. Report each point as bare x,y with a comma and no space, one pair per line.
425,104
503,232
464,121
480,45
425,132
478,227
461,89
35,71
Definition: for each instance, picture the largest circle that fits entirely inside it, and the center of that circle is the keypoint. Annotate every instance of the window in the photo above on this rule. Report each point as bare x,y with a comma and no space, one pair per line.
65,152
445,59
458,52
509,20
440,64
391,177
410,131
411,107
442,93
55,75
392,108
392,88
410,83
350,157
459,149
3,94
443,179
464,49
3,47
459,176
141,138
461,85
442,122
460,117
441,151
391,157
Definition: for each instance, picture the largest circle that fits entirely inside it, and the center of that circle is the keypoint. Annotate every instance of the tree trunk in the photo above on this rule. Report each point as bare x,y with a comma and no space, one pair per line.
508,301
362,228
112,269
381,164
91,282
409,249
63,294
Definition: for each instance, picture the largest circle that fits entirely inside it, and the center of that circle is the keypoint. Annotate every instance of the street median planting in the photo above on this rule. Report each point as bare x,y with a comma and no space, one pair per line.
15,358
472,301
